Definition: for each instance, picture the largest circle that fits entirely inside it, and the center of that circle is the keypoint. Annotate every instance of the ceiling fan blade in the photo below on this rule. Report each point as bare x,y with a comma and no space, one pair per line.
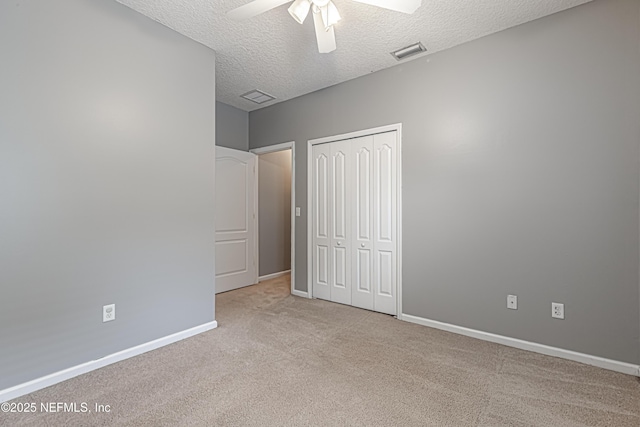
326,38
254,8
404,6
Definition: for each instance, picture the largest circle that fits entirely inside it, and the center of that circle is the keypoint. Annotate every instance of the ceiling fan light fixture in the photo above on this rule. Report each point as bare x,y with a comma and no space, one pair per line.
330,15
324,12
299,10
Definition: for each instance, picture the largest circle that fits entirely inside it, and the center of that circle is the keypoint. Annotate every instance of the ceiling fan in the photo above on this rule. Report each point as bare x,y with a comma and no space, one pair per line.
325,14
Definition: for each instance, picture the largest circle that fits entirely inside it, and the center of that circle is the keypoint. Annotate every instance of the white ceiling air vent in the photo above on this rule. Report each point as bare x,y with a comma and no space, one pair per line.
258,96
408,51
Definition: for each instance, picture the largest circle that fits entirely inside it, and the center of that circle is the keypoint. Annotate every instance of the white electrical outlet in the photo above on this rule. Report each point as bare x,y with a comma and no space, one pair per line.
109,313
557,310
512,302
297,211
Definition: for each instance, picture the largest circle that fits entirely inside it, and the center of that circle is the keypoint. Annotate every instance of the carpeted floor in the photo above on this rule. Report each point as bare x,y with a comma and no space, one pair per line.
276,359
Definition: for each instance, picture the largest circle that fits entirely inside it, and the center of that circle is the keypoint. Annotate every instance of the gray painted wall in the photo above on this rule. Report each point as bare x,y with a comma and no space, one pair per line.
232,127
520,175
274,207
106,183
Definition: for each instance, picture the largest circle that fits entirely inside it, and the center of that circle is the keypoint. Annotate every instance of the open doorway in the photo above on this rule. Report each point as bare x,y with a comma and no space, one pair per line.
276,212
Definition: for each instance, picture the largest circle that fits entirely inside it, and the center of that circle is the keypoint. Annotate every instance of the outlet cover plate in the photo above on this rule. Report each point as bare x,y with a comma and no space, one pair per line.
512,302
557,310
108,313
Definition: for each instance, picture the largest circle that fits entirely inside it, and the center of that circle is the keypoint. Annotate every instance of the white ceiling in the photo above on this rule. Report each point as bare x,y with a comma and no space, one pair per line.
275,54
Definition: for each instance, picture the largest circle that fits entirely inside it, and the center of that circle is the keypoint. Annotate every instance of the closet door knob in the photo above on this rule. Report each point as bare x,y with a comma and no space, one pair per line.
362,245
339,243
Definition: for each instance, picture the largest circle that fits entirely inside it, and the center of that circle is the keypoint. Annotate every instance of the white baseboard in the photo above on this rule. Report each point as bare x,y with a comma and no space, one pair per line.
56,377
298,293
601,362
273,275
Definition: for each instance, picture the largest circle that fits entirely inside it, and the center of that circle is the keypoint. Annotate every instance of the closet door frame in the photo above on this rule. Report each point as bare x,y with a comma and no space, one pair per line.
397,127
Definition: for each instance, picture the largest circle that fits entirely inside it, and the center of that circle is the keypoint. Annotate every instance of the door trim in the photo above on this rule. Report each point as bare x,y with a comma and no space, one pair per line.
271,149
351,135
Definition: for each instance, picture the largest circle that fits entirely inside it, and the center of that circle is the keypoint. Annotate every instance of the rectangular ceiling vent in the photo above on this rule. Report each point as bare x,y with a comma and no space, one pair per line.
408,51
258,96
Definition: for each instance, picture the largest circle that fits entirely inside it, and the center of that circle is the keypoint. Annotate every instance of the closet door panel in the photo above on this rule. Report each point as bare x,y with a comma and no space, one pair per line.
362,222
321,222
340,226
384,218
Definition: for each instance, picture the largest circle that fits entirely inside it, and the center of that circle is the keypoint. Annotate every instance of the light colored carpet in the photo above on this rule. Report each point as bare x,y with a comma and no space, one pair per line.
276,359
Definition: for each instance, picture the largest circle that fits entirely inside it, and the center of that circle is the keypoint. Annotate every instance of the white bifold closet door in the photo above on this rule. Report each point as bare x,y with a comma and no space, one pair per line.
354,222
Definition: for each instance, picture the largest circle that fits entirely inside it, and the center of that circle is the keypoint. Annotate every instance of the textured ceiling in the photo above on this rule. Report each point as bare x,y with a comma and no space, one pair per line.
275,54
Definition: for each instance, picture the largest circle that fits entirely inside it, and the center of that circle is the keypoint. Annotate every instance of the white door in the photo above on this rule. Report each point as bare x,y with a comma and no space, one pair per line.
321,155
340,221
385,222
354,221
362,220
236,243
